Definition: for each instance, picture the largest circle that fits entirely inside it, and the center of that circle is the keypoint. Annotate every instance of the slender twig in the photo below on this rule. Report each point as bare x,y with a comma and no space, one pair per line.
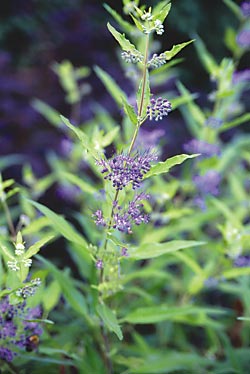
106,356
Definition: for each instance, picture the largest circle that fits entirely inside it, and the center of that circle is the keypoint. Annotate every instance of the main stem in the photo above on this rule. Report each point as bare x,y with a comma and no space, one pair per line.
140,108
108,362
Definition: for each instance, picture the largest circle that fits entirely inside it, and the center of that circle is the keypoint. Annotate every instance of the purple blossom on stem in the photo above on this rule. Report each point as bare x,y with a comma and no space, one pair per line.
204,148
242,261
242,76
123,169
99,219
158,108
214,123
243,38
124,219
124,252
99,264
245,8
15,327
208,183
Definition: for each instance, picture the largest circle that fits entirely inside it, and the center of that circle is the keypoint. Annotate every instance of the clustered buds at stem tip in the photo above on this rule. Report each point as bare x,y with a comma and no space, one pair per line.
158,108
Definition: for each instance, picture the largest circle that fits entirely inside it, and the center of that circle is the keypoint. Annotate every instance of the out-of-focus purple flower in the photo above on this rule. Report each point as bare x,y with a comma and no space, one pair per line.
123,169
66,146
16,327
158,108
242,76
214,123
149,139
68,192
204,148
211,282
124,252
245,8
242,261
243,38
99,264
208,183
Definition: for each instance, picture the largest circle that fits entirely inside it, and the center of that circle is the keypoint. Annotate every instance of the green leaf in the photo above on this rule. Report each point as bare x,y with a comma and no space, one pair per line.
35,248
70,292
48,112
236,122
206,58
7,252
82,137
176,49
129,110
110,136
112,87
165,166
124,43
161,12
137,23
124,24
235,273
195,115
159,313
84,186
110,320
61,226
234,8
151,250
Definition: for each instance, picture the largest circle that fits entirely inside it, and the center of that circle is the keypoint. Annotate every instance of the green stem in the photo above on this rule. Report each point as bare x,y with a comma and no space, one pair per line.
9,219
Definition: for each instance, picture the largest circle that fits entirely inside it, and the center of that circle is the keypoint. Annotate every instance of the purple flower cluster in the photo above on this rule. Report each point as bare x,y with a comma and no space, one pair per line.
214,123
241,76
158,108
204,148
243,38
124,219
242,261
123,169
245,8
208,184
15,328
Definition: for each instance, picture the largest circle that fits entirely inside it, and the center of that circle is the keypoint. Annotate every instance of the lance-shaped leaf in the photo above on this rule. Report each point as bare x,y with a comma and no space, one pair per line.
176,49
35,248
161,11
164,166
125,44
151,250
81,136
235,122
83,185
159,313
48,112
73,296
206,58
112,87
109,319
126,26
137,23
129,110
62,226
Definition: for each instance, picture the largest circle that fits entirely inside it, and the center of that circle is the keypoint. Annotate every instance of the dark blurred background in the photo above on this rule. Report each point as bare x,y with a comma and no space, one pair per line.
36,33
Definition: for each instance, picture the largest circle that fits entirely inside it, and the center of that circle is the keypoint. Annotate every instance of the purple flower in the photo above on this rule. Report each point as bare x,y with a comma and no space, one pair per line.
99,219
242,76
124,252
208,183
124,219
242,261
151,138
123,169
214,123
15,327
158,108
204,148
245,8
243,38
99,264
